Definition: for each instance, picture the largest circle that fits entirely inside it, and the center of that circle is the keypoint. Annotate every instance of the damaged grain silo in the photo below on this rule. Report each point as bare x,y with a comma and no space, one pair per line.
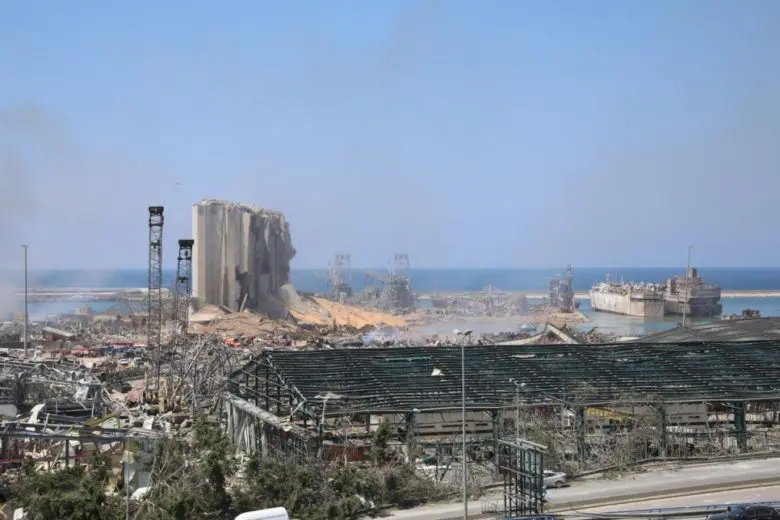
241,256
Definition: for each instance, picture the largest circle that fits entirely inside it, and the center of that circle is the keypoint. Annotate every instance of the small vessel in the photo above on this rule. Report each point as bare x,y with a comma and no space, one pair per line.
526,327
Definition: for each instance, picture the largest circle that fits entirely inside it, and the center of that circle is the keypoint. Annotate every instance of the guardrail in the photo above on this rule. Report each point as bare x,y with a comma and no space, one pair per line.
689,460
672,512
682,460
496,507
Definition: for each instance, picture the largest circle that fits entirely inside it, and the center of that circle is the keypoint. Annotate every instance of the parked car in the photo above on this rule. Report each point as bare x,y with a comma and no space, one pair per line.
554,479
747,512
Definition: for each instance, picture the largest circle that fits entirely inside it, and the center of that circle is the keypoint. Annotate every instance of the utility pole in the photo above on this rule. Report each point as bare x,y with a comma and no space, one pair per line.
517,412
518,386
463,424
464,336
127,472
687,275
26,318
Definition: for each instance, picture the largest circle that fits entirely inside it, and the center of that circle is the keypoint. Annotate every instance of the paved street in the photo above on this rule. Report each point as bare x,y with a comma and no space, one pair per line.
763,494
646,484
658,481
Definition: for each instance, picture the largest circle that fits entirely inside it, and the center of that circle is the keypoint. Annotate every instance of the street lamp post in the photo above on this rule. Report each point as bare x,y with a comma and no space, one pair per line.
26,319
518,386
463,337
686,299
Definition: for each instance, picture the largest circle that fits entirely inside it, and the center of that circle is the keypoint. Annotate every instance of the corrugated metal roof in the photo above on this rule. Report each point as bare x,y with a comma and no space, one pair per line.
757,329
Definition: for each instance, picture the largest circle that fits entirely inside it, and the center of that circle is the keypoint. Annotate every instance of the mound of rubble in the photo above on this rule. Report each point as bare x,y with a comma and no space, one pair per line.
219,320
320,311
316,323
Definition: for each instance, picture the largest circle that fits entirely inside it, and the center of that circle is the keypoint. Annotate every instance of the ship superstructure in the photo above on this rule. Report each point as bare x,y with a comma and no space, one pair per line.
691,295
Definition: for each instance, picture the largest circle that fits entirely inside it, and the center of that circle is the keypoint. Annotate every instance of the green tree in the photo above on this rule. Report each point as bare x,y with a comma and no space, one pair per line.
73,493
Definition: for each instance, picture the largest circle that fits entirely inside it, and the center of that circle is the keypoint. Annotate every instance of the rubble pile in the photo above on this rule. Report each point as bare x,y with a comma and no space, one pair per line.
244,323
501,337
487,303
326,312
549,314
494,305
595,336
50,390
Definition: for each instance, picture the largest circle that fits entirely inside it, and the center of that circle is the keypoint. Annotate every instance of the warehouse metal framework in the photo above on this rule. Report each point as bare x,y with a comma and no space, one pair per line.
399,380
309,388
295,403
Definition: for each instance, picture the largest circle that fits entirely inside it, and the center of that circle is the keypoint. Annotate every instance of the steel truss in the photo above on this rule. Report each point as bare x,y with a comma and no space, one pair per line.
313,390
400,380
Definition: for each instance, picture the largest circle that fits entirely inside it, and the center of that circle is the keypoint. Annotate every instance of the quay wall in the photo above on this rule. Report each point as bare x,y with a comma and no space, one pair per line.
623,304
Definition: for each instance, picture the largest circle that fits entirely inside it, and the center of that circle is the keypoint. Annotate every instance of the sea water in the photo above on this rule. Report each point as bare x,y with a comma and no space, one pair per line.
443,280
457,280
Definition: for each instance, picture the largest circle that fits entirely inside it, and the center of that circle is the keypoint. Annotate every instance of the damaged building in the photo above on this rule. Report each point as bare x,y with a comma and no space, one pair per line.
697,397
241,256
56,391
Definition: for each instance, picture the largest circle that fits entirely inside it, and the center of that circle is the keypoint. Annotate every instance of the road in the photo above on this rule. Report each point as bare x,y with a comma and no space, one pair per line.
688,477
761,494
632,489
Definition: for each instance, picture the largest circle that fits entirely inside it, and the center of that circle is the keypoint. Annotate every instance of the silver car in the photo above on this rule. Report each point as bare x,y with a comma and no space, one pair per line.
554,479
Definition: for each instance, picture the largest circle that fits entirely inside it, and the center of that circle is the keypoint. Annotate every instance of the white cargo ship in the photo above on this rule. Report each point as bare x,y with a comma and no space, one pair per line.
643,300
688,294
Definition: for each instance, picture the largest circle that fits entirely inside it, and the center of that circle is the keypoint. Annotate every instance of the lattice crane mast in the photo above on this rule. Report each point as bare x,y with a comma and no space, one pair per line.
154,302
182,290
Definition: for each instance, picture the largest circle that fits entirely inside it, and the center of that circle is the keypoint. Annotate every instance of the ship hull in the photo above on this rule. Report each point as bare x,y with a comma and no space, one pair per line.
694,309
625,305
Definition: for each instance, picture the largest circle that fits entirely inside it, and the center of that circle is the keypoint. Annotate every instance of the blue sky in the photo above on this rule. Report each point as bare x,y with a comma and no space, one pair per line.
466,134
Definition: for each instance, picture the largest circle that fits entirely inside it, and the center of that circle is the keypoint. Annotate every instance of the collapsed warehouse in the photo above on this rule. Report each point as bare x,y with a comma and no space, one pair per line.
686,399
60,391
55,414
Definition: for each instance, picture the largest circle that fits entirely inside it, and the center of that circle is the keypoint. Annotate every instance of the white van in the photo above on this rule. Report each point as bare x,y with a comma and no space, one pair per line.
274,513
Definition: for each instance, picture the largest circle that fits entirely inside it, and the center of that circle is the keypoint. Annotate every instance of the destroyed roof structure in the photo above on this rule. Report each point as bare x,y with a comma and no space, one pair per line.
294,400
743,330
241,256
404,379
